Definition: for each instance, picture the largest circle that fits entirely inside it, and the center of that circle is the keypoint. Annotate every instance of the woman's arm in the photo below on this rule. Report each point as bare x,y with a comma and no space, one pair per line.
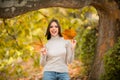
70,47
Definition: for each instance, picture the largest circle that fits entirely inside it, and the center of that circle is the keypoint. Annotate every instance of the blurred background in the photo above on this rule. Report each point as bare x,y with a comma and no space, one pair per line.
22,37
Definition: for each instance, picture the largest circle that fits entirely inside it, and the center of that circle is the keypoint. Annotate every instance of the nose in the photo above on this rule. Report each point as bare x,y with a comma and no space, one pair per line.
54,27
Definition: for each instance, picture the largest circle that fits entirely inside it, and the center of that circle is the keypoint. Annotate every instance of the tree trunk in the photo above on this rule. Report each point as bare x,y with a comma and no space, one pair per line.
108,34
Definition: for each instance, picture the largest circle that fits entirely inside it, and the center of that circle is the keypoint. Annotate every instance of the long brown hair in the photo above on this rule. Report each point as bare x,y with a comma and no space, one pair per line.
48,35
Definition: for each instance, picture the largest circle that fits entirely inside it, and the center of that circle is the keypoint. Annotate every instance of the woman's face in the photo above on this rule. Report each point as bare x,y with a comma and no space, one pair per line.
54,29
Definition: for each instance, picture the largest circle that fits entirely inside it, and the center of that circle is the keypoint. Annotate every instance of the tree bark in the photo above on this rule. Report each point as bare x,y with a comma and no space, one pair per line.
106,40
108,34
12,8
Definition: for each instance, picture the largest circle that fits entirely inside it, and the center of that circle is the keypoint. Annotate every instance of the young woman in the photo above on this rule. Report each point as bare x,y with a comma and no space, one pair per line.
56,54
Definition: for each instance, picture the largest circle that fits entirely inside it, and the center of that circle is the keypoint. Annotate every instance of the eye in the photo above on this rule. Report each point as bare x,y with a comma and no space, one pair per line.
56,26
51,26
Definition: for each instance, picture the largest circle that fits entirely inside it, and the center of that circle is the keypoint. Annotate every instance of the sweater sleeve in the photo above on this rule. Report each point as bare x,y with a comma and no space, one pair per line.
69,53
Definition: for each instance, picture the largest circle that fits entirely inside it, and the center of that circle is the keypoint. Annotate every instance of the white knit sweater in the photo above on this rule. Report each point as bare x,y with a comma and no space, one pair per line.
59,54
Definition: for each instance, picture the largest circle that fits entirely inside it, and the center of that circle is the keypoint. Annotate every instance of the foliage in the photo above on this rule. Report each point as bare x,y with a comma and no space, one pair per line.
87,38
16,37
112,63
86,48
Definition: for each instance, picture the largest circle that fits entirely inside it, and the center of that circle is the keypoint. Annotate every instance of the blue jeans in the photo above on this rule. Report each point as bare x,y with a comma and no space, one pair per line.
51,75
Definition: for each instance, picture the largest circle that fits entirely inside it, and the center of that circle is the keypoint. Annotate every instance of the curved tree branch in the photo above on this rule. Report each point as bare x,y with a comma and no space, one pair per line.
12,8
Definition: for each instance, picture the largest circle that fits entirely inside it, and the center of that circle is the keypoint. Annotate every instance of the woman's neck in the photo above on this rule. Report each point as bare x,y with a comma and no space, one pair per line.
55,37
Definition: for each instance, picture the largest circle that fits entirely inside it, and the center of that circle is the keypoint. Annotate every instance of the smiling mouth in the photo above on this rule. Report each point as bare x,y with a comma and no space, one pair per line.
54,31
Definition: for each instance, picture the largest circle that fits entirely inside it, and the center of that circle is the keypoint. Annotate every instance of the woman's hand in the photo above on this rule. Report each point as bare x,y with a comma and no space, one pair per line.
43,51
73,42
